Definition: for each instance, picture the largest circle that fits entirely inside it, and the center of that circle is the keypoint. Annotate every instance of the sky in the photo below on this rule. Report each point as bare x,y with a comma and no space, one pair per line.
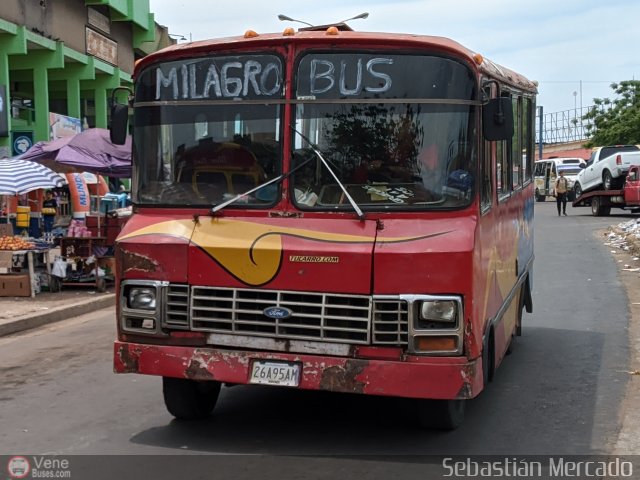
575,49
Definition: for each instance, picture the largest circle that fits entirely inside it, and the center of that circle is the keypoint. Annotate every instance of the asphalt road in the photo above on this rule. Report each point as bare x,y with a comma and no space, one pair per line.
559,392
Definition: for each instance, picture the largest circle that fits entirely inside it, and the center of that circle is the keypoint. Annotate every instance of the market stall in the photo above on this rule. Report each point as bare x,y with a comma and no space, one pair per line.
85,225
87,263
25,265
84,159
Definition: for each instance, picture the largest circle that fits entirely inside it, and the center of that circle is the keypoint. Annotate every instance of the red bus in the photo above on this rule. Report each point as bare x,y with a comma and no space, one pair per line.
325,209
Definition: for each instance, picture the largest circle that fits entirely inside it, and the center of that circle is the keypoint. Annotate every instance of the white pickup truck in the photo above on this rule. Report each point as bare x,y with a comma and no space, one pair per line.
607,168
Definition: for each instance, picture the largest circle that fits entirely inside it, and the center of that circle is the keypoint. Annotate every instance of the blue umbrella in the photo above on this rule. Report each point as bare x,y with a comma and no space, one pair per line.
21,176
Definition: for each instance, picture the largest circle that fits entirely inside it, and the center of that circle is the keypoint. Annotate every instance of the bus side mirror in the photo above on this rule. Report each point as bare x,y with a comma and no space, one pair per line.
119,123
497,119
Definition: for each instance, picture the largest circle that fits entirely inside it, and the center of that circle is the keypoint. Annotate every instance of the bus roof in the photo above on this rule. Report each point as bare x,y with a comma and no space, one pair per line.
321,37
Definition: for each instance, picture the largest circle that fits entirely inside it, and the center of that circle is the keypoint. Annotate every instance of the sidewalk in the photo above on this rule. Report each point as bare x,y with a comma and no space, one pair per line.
22,313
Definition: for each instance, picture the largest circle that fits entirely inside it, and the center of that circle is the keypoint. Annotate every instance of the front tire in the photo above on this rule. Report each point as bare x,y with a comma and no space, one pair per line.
441,414
188,399
577,190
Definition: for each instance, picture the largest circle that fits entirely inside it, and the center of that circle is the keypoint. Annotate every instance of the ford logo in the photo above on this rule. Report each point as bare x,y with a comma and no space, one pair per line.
277,312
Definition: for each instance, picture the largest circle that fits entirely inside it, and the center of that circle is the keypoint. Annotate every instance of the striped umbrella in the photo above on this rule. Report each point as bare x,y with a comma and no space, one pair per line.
21,176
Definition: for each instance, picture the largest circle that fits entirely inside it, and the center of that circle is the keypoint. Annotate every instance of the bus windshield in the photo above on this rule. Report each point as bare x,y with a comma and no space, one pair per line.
397,130
207,129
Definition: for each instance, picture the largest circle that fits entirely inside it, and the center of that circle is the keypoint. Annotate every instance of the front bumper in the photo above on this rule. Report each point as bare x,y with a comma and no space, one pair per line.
413,377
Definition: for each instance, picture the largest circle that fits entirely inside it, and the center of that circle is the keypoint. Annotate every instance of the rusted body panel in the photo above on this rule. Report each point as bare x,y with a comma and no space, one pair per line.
416,377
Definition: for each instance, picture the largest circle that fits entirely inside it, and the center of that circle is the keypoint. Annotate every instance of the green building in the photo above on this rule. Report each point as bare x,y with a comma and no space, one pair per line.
65,57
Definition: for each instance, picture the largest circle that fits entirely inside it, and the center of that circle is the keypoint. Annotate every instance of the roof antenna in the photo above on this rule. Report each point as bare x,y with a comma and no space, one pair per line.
363,15
282,17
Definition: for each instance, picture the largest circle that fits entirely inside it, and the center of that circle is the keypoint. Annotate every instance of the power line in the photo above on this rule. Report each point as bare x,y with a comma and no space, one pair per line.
576,81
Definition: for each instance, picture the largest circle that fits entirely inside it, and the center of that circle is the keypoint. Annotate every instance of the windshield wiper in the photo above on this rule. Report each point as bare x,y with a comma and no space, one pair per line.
326,164
277,179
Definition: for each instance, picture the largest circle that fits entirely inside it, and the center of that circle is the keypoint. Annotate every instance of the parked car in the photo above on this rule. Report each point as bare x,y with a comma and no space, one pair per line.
607,168
546,171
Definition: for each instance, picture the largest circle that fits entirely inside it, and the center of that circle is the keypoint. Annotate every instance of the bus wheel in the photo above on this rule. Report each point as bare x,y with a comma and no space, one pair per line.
441,414
517,330
539,198
188,399
488,354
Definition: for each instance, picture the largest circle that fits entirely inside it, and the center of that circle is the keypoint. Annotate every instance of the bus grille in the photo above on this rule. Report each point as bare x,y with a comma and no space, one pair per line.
316,316
176,313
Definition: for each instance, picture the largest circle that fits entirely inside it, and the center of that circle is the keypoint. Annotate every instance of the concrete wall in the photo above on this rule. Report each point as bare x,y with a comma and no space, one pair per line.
66,21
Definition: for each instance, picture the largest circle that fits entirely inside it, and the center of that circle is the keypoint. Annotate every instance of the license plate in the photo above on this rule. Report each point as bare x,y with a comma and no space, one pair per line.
275,373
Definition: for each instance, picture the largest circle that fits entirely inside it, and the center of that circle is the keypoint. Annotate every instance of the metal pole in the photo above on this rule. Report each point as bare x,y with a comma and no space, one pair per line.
540,138
580,97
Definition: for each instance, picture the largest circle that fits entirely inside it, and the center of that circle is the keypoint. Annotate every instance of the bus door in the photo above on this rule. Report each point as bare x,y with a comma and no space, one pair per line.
550,178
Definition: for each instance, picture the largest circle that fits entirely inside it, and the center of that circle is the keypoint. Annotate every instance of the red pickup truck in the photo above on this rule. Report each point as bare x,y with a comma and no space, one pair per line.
601,201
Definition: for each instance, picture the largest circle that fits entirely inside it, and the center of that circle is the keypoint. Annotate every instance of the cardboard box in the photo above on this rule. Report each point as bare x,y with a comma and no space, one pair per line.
108,264
6,261
6,230
15,286
91,221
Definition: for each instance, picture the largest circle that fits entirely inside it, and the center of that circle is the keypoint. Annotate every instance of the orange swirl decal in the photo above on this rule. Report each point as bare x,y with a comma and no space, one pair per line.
251,252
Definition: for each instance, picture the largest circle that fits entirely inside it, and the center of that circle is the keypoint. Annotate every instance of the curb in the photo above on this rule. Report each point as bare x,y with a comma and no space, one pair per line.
28,322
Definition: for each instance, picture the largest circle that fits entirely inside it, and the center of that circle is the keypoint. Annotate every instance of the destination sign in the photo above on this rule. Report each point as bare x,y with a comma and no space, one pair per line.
375,75
318,76
224,78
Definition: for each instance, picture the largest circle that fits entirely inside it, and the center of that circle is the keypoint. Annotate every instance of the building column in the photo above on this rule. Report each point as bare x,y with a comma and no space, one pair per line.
6,109
11,43
40,62
41,99
73,97
101,87
73,75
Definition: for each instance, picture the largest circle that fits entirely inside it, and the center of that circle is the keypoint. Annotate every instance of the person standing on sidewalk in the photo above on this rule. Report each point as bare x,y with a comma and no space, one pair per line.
562,185
49,211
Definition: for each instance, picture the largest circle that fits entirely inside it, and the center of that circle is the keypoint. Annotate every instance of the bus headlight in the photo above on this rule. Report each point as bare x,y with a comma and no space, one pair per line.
439,311
141,298
437,325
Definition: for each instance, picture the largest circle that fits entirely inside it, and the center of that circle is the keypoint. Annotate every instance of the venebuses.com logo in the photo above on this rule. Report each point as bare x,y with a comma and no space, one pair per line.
18,467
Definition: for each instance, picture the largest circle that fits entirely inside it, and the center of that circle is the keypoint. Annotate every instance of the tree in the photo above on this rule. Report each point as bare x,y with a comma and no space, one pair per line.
617,121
